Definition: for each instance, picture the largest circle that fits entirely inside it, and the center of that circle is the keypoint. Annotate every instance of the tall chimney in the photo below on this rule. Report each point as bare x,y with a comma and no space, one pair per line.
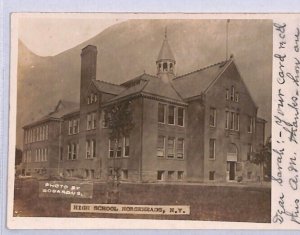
88,69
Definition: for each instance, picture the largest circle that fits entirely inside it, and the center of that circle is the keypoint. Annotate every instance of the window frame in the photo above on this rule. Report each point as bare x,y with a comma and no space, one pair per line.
111,149
177,150
161,149
250,125
171,156
227,117
174,116
164,113
160,173
214,110
212,140
125,146
183,116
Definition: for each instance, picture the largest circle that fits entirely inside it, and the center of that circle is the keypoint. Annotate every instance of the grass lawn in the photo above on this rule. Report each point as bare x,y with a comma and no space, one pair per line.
209,203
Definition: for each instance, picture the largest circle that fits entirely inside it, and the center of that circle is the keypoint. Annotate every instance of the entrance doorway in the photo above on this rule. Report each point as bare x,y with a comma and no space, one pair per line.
232,155
232,166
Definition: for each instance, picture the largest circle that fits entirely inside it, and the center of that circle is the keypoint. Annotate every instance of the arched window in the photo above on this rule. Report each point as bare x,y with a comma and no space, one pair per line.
232,149
232,153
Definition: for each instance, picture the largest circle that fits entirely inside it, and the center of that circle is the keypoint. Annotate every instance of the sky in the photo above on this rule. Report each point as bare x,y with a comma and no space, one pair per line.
59,33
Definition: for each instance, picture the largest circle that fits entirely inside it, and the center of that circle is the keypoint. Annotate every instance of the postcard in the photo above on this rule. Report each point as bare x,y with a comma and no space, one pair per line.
154,121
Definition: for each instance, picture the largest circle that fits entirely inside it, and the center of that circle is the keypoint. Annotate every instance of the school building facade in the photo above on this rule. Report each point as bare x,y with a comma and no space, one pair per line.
201,126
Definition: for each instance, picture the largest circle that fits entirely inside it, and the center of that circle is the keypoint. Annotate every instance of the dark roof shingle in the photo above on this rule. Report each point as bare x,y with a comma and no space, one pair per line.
195,83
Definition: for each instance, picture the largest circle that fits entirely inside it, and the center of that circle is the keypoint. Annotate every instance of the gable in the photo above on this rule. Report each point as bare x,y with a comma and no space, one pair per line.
228,78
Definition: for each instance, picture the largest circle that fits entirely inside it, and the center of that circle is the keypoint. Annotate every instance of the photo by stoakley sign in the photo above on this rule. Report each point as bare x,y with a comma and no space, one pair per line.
69,189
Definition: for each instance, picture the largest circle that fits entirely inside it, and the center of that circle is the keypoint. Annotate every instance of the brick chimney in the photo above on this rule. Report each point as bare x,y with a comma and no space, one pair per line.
88,69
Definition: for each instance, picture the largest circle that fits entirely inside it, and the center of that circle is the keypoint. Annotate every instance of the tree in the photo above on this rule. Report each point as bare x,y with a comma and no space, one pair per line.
120,122
262,157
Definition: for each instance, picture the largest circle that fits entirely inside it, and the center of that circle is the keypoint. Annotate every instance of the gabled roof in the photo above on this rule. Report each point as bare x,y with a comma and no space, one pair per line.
150,85
195,83
107,87
165,52
62,108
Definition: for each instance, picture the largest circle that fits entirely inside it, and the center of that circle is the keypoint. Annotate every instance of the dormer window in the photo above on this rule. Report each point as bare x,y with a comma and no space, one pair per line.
92,98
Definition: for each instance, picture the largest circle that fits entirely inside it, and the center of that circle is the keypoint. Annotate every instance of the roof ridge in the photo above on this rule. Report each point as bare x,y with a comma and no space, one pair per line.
110,83
201,69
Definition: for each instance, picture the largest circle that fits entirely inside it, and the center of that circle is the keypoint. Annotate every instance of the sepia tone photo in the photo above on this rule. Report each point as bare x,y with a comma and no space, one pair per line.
166,119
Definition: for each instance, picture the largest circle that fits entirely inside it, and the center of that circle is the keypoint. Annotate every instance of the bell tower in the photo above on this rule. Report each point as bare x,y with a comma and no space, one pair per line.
165,62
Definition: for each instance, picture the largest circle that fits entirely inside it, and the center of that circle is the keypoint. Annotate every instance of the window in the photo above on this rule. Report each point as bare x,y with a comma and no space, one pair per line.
227,94
119,148
231,124
237,97
75,126
171,147
160,175
124,174
250,150
91,98
46,132
180,116
212,117
160,146
41,133
126,146
227,120
74,151
237,122
165,66
69,152
89,122
161,113
249,175
212,149
46,154
93,120
42,155
171,175
88,149
232,93
37,134
250,124
180,148
171,115
93,148
180,175
105,119
24,159
211,175
111,149
70,127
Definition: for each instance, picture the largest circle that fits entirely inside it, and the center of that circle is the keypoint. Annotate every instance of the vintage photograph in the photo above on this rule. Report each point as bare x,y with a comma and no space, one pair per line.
162,119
